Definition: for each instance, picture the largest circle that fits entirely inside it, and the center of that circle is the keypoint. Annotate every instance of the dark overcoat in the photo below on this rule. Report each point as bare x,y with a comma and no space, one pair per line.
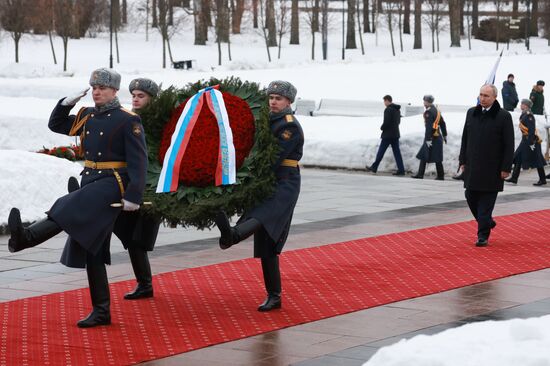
524,155
392,119
86,214
509,95
487,148
537,97
275,213
435,133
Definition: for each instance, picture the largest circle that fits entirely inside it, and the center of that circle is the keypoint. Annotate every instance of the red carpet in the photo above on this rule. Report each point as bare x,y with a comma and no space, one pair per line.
198,307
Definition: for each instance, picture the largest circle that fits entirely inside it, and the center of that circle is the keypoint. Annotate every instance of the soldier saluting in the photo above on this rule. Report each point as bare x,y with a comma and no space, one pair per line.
432,148
270,220
113,143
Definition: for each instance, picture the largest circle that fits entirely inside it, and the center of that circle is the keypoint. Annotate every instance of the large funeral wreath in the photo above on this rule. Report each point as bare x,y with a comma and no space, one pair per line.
197,199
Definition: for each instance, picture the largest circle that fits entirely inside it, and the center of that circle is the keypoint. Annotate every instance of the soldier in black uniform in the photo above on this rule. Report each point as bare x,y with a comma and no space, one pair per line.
137,231
270,221
432,148
113,142
529,153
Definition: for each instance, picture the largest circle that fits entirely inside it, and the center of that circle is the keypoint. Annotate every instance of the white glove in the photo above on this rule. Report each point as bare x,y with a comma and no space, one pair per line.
129,206
72,100
532,147
429,143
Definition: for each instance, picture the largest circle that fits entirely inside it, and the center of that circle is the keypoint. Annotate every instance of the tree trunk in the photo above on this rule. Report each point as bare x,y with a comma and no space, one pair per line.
462,3
169,48
315,16
324,28
454,18
255,13
417,24
294,23
53,49
390,28
170,12
65,50
515,8
163,52
116,47
407,17
475,16
16,41
237,17
359,33
432,28
313,45
366,20
124,12
534,18
400,25
270,23
201,30
155,22
207,8
350,35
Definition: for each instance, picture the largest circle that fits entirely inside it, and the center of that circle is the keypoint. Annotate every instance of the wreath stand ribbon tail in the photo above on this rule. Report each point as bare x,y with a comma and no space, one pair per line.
226,167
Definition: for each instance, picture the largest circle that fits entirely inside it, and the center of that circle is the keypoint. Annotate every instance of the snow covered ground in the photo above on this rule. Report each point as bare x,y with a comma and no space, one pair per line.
524,342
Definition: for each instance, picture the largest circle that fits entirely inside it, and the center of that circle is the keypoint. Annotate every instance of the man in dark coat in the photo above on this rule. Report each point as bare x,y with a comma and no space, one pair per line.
390,136
529,153
486,156
537,97
509,94
270,220
434,136
113,142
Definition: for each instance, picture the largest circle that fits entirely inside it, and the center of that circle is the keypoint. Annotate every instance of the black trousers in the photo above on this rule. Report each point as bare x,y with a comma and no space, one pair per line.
482,204
384,144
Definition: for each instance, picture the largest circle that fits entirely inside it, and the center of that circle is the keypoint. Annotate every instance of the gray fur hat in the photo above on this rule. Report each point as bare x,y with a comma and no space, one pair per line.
146,85
428,98
527,102
283,88
105,77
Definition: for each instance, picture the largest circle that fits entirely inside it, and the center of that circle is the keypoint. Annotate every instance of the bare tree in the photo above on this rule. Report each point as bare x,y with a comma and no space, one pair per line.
366,22
270,22
350,34
515,8
255,13
359,33
469,24
166,30
155,22
324,27
237,16
454,20
294,23
498,5
433,19
221,12
475,16
124,12
535,18
263,25
407,17
201,26
315,18
309,4
14,16
391,8
400,23
417,24
65,24
282,22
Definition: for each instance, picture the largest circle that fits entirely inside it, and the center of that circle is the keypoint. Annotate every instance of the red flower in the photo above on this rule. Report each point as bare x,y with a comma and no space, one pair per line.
199,163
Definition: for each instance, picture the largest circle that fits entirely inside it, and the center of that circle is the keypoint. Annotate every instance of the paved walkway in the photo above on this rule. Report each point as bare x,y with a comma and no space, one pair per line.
334,206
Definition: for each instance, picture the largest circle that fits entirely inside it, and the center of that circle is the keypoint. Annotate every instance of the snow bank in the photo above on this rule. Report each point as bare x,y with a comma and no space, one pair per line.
524,342
32,182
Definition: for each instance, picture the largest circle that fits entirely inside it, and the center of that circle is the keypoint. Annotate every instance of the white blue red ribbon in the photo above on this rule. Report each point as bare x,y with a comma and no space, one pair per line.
226,167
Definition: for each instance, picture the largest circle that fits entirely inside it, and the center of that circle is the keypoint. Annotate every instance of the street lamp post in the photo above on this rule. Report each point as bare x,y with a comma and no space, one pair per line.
343,26
111,35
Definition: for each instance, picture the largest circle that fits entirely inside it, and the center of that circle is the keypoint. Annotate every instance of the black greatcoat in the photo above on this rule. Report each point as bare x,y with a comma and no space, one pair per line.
85,214
432,154
392,119
487,148
275,213
137,230
524,156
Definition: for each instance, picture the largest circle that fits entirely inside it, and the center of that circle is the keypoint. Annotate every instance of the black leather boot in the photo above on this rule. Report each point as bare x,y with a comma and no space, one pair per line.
30,236
440,171
72,184
421,170
515,174
232,235
542,178
99,292
142,270
272,280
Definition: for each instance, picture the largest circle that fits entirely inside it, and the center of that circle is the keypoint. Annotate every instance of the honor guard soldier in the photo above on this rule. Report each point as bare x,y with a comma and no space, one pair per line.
137,231
529,153
113,143
432,148
270,221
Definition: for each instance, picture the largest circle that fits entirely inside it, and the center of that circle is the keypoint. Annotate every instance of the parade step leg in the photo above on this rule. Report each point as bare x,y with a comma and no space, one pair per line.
232,235
515,174
440,171
142,270
99,292
542,178
421,170
272,280
30,236
72,184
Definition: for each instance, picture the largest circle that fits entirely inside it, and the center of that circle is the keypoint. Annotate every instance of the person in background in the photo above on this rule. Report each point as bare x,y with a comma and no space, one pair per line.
390,136
537,97
509,94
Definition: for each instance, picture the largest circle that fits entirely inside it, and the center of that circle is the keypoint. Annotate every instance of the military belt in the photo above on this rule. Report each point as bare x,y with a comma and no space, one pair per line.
105,164
290,163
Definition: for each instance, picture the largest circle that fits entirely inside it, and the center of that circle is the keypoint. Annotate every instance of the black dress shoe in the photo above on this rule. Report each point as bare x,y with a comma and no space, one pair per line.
439,178
416,176
539,183
399,174
94,319
370,169
140,292
493,224
548,176
481,242
511,180
273,301
459,177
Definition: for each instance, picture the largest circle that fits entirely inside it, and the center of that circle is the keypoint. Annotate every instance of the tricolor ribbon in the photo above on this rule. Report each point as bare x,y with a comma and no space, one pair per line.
226,167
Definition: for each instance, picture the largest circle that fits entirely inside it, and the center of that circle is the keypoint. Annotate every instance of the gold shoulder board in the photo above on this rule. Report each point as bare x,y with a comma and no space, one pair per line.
289,118
128,111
